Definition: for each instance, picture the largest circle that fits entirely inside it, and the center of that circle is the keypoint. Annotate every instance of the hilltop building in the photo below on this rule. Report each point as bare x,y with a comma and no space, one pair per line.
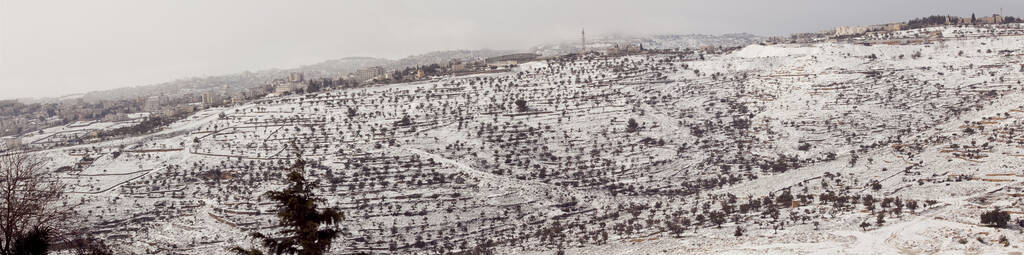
858,30
296,77
212,98
623,50
510,60
994,19
461,66
291,85
152,104
368,74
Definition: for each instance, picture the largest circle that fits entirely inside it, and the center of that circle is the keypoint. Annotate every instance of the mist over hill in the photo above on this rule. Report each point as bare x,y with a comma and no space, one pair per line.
661,41
343,66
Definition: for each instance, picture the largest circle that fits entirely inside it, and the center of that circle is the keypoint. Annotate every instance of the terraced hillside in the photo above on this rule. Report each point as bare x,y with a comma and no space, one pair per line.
840,147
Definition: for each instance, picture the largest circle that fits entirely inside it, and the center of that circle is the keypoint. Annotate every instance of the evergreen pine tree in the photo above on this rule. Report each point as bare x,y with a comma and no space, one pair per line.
307,228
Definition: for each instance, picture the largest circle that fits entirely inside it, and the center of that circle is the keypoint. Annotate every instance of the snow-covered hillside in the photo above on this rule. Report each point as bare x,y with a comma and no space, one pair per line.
837,148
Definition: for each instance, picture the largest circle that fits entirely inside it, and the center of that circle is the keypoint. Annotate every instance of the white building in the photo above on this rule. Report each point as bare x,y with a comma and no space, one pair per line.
289,87
367,74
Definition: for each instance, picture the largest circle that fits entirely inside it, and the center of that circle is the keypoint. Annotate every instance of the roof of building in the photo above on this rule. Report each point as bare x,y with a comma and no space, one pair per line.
514,57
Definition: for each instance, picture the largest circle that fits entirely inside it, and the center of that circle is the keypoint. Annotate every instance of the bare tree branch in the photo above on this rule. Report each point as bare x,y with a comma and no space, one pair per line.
29,199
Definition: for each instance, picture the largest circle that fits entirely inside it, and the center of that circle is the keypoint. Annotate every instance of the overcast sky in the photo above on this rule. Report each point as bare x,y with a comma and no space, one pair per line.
53,48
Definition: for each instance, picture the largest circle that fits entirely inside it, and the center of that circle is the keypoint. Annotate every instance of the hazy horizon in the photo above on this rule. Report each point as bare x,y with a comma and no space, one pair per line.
98,45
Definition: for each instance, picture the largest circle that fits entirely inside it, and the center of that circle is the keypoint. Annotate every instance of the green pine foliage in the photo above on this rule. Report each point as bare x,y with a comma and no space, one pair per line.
308,229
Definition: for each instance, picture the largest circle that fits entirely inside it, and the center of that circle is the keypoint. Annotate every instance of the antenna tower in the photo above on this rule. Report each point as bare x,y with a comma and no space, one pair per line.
583,41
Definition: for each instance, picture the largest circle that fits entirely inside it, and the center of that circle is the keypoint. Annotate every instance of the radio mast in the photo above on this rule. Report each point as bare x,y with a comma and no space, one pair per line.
583,41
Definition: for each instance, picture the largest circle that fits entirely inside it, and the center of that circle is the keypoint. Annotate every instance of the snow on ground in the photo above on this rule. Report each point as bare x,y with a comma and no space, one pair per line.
926,134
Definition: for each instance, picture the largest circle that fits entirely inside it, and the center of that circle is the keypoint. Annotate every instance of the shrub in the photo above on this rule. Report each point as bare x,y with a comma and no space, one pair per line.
995,218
